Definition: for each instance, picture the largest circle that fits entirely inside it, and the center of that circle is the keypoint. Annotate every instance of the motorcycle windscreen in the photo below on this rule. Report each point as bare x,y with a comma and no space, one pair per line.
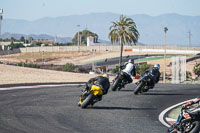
96,90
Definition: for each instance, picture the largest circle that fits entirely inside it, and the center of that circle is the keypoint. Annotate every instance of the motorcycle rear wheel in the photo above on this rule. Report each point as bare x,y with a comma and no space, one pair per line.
87,101
138,88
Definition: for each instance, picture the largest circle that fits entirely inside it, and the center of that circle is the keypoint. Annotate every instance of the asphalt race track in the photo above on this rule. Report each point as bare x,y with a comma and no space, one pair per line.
55,110
114,61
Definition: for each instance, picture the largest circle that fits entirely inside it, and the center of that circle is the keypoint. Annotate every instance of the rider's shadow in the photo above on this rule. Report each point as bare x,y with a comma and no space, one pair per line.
127,90
120,108
160,93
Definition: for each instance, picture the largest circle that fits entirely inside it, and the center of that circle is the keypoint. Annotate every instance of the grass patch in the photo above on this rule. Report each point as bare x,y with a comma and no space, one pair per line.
191,82
175,112
152,58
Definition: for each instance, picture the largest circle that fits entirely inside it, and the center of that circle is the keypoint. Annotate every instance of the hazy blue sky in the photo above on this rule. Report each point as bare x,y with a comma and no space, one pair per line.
34,9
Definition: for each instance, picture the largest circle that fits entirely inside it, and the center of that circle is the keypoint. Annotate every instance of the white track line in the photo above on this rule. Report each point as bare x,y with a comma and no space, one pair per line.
37,86
162,114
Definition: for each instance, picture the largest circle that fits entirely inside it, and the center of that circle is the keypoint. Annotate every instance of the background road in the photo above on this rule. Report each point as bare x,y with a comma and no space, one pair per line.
55,110
114,61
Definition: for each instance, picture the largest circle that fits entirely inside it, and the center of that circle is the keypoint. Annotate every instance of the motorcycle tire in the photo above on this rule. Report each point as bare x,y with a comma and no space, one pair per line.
138,88
87,101
195,129
115,84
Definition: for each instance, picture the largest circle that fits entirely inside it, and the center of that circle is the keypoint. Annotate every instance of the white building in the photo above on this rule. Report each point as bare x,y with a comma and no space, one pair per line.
92,41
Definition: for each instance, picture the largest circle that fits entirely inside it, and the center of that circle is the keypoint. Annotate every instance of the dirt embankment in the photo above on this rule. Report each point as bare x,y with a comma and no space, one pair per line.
13,75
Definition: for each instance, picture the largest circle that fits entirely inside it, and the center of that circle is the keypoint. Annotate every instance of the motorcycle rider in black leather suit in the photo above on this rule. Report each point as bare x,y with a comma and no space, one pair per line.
102,82
154,74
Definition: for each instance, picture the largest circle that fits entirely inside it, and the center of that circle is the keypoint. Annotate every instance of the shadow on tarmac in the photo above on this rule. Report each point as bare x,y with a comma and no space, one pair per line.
167,94
120,108
153,93
127,90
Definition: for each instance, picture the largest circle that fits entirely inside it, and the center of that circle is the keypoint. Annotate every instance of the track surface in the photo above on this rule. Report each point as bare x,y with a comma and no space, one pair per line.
55,110
114,61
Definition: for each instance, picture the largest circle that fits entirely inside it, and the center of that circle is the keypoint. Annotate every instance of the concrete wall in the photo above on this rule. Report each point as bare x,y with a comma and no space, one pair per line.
175,49
106,48
69,48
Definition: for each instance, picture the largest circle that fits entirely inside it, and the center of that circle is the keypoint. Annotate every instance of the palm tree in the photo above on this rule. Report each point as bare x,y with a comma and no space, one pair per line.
124,31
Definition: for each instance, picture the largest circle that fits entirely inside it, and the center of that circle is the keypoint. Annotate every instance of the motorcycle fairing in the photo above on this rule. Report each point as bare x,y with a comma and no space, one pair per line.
96,90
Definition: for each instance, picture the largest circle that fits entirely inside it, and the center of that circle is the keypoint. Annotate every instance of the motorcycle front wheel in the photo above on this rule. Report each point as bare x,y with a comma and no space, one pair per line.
138,88
193,127
115,84
87,101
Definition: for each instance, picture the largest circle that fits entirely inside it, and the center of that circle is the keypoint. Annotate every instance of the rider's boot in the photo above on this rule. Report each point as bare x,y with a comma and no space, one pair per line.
79,104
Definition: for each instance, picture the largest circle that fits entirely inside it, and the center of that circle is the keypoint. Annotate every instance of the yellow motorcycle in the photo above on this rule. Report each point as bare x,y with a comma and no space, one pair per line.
90,96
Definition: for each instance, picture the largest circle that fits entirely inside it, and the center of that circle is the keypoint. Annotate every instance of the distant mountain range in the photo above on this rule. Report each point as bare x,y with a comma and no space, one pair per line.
151,28
37,37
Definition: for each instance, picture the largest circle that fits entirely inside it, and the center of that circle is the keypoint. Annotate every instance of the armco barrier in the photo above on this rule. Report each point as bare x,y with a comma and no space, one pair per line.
128,50
177,51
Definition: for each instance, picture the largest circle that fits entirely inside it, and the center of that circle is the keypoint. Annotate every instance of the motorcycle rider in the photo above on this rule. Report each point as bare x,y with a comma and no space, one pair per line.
196,111
102,82
155,74
129,70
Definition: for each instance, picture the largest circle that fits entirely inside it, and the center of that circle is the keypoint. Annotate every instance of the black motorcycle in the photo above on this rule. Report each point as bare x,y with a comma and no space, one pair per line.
144,84
119,82
186,122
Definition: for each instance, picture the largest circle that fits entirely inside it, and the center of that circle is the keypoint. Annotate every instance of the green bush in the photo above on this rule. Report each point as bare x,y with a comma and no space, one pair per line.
196,69
16,45
142,68
188,75
32,65
69,67
116,70
113,71
28,65
20,64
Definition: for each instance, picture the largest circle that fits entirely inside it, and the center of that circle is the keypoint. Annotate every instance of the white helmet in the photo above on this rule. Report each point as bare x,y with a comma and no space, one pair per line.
131,61
157,66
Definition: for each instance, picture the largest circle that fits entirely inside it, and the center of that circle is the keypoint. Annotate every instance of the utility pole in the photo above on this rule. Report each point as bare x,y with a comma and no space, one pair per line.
164,72
189,36
55,39
78,38
1,18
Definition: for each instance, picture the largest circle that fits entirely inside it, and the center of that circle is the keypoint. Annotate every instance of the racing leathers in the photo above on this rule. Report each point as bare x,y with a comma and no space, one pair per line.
154,74
128,71
102,82
196,111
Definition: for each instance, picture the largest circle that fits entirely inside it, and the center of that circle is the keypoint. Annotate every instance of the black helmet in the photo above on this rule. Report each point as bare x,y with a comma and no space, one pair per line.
131,61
